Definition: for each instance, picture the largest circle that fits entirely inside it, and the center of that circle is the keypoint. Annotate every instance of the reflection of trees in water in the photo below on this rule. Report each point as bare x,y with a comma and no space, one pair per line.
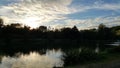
64,38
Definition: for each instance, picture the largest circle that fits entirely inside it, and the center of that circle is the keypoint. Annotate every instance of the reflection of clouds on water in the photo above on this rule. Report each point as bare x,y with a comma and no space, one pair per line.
117,43
51,59
97,49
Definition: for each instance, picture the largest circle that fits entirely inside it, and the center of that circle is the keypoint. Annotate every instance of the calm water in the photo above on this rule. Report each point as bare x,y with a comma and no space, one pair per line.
51,59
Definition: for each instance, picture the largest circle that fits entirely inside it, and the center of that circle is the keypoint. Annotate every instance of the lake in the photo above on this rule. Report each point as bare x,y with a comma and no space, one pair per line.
49,58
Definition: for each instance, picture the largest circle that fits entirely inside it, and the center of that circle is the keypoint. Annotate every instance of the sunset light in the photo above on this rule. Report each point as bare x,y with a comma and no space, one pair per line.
82,13
59,33
31,21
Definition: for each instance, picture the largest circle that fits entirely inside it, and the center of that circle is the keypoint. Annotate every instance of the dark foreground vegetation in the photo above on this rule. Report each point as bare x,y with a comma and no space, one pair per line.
79,45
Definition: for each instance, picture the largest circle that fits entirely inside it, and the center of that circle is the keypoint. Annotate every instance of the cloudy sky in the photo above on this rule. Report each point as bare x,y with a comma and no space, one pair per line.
61,13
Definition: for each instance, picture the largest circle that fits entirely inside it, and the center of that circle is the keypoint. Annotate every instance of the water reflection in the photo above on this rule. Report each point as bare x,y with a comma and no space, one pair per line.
51,59
97,49
117,43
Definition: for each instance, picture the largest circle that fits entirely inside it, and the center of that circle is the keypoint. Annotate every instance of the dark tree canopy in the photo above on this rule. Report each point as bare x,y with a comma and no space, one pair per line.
102,33
42,28
1,22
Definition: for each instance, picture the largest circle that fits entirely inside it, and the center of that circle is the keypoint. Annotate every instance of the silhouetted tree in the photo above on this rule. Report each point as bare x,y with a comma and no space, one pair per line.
16,25
1,22
101,26
66,32
75,29
75,32
101,31
56,38
42,28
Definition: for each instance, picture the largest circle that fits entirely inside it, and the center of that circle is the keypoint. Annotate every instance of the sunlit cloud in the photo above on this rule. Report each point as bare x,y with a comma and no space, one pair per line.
93,22
98,5
43,10
55,13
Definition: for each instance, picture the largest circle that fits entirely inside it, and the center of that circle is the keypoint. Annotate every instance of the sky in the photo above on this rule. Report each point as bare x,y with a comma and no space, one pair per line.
84,14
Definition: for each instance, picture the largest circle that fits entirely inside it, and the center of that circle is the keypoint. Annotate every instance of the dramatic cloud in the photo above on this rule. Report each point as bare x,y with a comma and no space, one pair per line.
98,5
36,11
56,13
94,22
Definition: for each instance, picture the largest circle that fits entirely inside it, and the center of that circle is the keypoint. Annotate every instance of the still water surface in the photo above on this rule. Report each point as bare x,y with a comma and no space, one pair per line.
51,59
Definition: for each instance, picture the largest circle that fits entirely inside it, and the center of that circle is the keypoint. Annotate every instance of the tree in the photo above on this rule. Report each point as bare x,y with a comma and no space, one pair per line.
75,29
1,22
101,31
75,32
16,25
43,28
101,27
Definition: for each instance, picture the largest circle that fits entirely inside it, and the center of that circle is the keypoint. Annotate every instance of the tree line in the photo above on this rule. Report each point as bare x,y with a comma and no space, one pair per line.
17,38
17,31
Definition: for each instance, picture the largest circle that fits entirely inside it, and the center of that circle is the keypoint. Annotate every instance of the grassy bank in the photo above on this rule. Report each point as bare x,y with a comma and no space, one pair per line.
111,61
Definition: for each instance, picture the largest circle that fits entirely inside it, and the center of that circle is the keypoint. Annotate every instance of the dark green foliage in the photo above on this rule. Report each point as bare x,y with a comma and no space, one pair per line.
115,49
74,56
